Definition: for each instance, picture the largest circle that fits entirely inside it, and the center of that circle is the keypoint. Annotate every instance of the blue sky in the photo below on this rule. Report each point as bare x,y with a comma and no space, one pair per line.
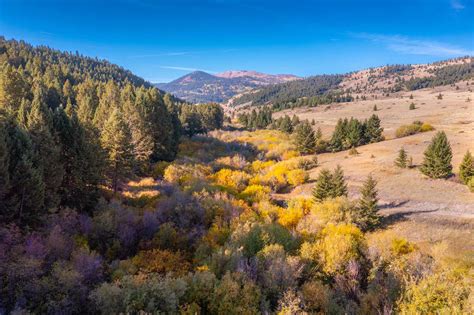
162,40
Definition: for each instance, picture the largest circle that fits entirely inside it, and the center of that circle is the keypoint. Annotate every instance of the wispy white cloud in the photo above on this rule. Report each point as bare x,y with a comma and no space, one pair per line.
457,5
186,69
405,45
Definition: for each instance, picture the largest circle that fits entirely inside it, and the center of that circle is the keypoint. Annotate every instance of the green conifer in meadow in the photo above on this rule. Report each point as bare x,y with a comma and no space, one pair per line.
402,159
305,139
367,217
466,169
324,186
339,186
437,157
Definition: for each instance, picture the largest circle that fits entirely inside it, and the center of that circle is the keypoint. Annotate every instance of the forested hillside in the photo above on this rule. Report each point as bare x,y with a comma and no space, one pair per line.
71,124
370,83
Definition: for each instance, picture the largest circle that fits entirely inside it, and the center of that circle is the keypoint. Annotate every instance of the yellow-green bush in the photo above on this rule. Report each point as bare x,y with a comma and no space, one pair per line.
236,180
254,193
297,177
340,244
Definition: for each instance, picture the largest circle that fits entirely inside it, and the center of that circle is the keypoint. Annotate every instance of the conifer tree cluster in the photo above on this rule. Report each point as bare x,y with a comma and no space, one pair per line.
330,185
352,133
257,119
437,157
67,120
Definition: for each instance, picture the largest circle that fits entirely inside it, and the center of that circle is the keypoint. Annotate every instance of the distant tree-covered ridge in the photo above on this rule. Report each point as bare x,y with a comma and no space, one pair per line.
325,89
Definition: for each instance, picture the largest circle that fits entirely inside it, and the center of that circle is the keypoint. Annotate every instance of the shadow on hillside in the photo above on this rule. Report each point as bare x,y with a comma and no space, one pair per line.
393,218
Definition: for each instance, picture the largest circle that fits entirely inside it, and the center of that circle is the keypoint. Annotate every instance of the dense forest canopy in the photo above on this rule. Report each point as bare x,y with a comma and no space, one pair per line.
293,90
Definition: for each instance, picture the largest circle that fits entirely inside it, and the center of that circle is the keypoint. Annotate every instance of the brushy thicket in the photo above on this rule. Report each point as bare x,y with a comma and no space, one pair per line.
212,240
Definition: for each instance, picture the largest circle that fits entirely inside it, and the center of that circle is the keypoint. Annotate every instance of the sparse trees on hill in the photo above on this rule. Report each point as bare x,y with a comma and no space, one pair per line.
466,169
437,157
305,139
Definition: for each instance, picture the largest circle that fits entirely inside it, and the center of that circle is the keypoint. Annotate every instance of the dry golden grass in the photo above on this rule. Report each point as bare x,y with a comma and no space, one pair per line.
428,211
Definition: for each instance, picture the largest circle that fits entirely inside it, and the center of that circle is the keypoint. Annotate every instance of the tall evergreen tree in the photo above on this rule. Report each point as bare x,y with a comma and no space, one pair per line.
324,186
116,140
108,101
339,135
12,88
373,132
466,169
305,139
402,159
339,183
24,198
437,157
354,134
286,125
367,217
4,161
39,125
87,102
82,161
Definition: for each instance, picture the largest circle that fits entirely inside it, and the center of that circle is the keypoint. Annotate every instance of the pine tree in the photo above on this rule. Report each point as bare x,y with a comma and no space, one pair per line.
402,159
81,159
355,134
367,217
24,199
373,132
324,186
4,162
108,101
437,157
87,102
466,169
116,140
12,89
338,183
375,108
305,139
339,135
39,125
286,125
412,106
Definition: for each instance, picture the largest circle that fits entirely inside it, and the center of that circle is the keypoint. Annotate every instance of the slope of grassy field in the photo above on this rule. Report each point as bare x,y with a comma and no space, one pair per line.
422,209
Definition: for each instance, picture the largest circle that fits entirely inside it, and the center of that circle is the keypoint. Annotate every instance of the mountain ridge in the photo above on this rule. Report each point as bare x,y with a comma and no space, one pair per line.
201,87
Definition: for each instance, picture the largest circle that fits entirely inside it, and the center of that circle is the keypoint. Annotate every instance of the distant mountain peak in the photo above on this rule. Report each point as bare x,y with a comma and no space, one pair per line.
199,86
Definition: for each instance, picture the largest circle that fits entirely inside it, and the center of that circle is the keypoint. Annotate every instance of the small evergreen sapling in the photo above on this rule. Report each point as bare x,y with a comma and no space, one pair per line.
466,169
402,159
